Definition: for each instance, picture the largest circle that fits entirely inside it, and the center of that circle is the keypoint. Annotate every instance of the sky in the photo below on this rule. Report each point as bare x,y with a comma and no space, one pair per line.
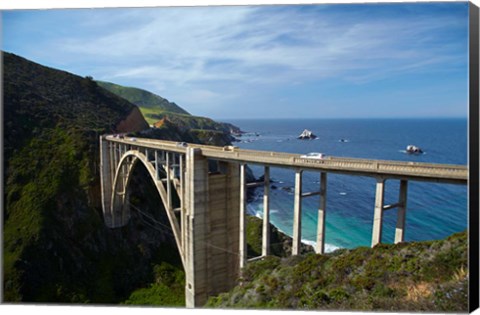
368,60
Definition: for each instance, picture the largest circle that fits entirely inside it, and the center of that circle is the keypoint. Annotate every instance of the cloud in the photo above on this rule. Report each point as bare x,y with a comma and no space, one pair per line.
195,55
262,45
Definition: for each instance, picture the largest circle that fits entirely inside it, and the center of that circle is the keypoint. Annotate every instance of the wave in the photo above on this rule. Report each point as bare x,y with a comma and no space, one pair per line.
258,212
251,210
328,247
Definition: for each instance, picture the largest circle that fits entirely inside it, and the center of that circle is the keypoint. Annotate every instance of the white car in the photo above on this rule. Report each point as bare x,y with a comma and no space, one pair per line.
229,148
313,155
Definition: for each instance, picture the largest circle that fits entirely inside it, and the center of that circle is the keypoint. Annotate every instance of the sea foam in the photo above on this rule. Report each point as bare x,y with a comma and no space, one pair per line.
328,247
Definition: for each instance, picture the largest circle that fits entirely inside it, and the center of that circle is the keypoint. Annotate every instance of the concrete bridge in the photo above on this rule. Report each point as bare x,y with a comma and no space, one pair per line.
203,190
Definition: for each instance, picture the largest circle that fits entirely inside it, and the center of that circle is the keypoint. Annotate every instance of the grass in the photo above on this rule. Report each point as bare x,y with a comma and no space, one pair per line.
424,276
167,290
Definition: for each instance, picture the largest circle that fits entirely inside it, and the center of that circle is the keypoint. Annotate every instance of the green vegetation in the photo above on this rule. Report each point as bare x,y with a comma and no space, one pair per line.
155,108
52,123
167,290
198,124
165,129
423,276
148,102
56,247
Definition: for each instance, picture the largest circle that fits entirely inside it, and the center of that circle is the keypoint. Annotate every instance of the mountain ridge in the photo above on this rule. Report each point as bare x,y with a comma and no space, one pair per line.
156,109
145,100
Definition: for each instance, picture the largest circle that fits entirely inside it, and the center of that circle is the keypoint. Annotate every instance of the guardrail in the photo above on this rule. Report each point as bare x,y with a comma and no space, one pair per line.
445,173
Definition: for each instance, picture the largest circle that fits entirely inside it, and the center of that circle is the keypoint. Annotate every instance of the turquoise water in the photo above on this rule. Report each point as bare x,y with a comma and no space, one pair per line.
434,211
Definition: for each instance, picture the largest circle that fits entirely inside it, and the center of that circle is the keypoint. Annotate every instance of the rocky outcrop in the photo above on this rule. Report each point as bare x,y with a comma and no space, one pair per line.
133,122
161,123
307,135
280,243
413,149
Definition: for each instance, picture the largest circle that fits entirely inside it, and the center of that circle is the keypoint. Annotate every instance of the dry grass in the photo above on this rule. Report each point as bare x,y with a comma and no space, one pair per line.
460,274
418,291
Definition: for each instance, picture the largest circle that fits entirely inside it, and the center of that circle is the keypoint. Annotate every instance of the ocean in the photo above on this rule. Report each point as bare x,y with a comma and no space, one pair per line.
434,211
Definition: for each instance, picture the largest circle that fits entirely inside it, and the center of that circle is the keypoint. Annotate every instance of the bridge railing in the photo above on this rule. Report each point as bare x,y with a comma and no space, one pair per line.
369,167
419,171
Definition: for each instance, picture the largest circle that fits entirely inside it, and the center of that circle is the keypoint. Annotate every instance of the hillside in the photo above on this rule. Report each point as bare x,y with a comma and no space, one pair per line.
423,276
56,247
147,102
156,110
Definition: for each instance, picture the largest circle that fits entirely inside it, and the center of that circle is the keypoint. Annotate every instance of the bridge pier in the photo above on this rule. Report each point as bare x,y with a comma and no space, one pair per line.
266,213
196,198
378,212
106,178
242,250
401,206
212,229
401,212
320,247
297,214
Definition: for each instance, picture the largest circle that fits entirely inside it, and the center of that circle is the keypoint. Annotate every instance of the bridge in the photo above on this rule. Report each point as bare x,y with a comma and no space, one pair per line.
204,193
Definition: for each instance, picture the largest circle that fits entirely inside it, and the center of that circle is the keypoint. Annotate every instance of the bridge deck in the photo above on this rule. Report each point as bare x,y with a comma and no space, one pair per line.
442,173
208,202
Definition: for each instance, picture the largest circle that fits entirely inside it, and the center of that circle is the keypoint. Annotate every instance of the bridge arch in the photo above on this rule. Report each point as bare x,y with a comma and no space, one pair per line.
208,235
120,206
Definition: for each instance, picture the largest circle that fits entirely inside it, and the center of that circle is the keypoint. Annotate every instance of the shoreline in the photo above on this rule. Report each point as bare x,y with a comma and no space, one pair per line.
328,247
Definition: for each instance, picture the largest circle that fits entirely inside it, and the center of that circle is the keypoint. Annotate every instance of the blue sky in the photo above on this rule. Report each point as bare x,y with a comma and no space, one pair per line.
302,61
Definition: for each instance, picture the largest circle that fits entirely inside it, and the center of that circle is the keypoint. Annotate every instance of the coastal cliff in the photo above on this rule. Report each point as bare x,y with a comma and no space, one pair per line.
133,122
158,111
56,247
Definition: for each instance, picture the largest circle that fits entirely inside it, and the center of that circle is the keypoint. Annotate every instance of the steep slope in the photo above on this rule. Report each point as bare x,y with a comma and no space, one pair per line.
56,247
155,109
199,125
205,130
420,276
147,102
